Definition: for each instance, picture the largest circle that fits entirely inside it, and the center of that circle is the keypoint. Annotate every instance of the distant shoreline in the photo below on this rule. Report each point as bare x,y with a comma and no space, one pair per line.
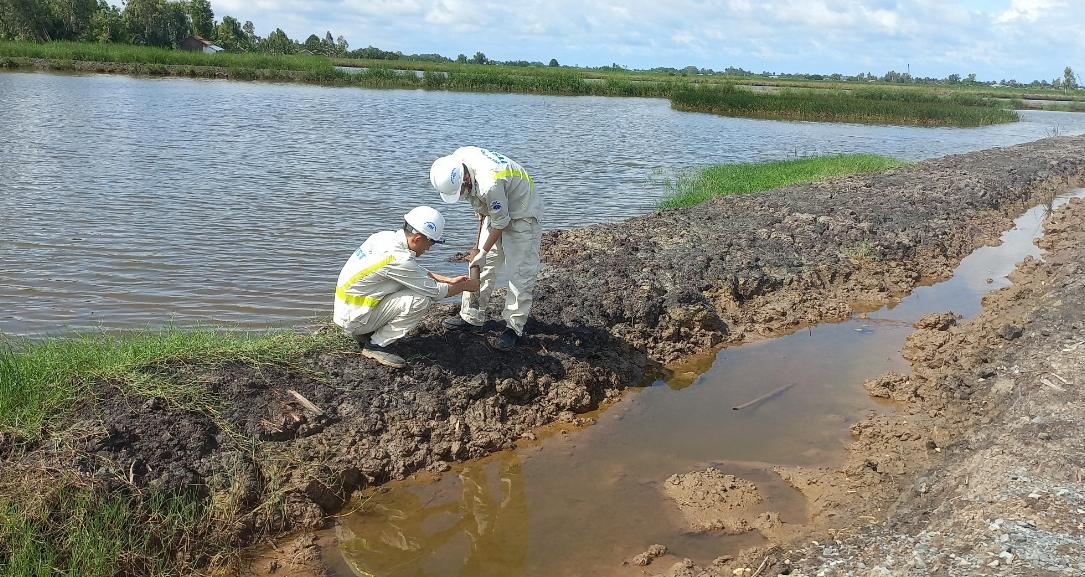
740,96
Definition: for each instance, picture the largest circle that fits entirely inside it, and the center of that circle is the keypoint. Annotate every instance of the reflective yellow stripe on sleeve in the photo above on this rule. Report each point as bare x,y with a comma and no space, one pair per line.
513,172
362,300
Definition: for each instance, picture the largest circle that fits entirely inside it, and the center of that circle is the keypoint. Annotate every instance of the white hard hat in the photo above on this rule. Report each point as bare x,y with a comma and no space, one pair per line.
446,175
427,221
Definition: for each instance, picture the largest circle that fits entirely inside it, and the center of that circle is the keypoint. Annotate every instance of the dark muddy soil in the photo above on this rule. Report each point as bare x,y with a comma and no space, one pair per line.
614,304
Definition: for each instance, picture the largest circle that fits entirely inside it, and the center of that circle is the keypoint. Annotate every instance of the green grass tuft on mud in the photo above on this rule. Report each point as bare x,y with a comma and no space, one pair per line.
63,528
690,188
41,381
55,520
879,106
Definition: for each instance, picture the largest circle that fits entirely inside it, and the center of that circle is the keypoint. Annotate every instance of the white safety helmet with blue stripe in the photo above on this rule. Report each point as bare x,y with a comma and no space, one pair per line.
446,175
427,221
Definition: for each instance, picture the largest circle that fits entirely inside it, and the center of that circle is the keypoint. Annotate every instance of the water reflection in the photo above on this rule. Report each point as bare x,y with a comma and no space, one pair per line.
470,524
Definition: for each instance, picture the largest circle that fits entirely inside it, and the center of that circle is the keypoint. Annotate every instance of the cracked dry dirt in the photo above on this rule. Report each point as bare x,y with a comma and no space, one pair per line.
978,472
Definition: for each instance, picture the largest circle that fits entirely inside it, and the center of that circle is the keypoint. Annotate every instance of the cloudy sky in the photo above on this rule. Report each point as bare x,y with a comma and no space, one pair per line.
1022,40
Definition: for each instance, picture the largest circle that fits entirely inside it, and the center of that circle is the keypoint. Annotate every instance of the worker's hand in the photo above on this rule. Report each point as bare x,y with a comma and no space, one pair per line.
479,259
471,254
460,278
465,284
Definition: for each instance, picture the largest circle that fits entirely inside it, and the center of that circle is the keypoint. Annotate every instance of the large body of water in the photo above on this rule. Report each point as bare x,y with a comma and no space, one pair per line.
128,203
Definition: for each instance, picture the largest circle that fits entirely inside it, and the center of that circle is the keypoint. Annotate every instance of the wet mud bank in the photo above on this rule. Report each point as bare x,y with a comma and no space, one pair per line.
979,471
614,304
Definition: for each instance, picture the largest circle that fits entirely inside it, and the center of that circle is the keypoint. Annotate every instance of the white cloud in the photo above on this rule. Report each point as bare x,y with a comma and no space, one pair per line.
1027,10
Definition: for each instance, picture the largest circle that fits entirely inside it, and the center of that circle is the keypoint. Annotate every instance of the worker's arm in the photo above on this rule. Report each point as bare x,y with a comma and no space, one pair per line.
485,242
481,227
446,279
462,284
491,239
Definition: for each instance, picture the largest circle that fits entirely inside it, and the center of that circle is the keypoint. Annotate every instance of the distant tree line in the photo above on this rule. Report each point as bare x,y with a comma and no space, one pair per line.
1068,81
165,23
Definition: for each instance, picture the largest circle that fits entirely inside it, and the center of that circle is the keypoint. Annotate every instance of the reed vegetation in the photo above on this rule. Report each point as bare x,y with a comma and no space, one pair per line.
911,107
693,187
149,57
829,102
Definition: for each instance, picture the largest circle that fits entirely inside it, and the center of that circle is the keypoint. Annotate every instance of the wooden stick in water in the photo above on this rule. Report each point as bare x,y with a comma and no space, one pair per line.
764,397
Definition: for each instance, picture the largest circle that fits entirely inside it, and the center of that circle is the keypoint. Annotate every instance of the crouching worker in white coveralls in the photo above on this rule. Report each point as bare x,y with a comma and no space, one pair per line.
509,234
383,292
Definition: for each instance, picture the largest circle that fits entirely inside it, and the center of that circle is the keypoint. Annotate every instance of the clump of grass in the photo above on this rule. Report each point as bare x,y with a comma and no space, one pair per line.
40,381
859,254
697,186
877,107
51,526
53,520
899,95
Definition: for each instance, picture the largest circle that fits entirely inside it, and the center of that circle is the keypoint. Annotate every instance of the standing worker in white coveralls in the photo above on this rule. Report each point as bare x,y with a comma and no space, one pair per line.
508,208
383,292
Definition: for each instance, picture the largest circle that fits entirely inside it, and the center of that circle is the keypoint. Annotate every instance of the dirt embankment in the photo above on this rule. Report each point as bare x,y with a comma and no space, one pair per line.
613,303
980,471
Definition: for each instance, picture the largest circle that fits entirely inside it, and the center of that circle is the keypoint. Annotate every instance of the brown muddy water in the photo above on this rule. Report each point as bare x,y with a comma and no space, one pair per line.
584,501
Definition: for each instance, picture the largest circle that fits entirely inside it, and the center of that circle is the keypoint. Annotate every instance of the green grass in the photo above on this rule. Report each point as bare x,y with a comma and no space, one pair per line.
694,187
149,56
40,382
64,529
911,107
54,521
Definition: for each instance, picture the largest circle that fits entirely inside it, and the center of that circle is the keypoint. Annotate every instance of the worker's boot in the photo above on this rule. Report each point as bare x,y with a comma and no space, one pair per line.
458,324
506,341
383,355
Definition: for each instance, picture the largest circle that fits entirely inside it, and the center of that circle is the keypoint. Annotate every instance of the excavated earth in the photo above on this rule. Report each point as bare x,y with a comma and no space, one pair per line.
979,472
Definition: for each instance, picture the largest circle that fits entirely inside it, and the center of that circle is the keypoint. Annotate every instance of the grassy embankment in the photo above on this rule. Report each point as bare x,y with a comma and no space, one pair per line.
696,186
81,57
58,520
822,101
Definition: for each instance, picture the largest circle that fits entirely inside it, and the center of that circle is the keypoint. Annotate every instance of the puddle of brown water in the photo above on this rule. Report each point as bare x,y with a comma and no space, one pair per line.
585,502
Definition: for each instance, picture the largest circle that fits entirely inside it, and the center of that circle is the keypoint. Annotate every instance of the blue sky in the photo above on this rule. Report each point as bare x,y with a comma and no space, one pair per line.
1022,40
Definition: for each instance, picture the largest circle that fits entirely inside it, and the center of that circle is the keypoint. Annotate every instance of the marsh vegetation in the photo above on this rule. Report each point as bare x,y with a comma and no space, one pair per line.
826,101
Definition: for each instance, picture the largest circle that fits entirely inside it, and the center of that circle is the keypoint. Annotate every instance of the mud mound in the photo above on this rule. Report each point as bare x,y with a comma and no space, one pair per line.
712,500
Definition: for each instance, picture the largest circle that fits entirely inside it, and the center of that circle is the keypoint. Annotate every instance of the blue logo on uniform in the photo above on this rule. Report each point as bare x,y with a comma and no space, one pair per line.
495,206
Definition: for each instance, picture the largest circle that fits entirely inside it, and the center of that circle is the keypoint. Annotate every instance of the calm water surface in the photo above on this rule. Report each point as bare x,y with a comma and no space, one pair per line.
127,203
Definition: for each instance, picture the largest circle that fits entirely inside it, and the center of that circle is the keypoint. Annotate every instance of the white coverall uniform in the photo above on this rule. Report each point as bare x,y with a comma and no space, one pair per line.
383,290
503,191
